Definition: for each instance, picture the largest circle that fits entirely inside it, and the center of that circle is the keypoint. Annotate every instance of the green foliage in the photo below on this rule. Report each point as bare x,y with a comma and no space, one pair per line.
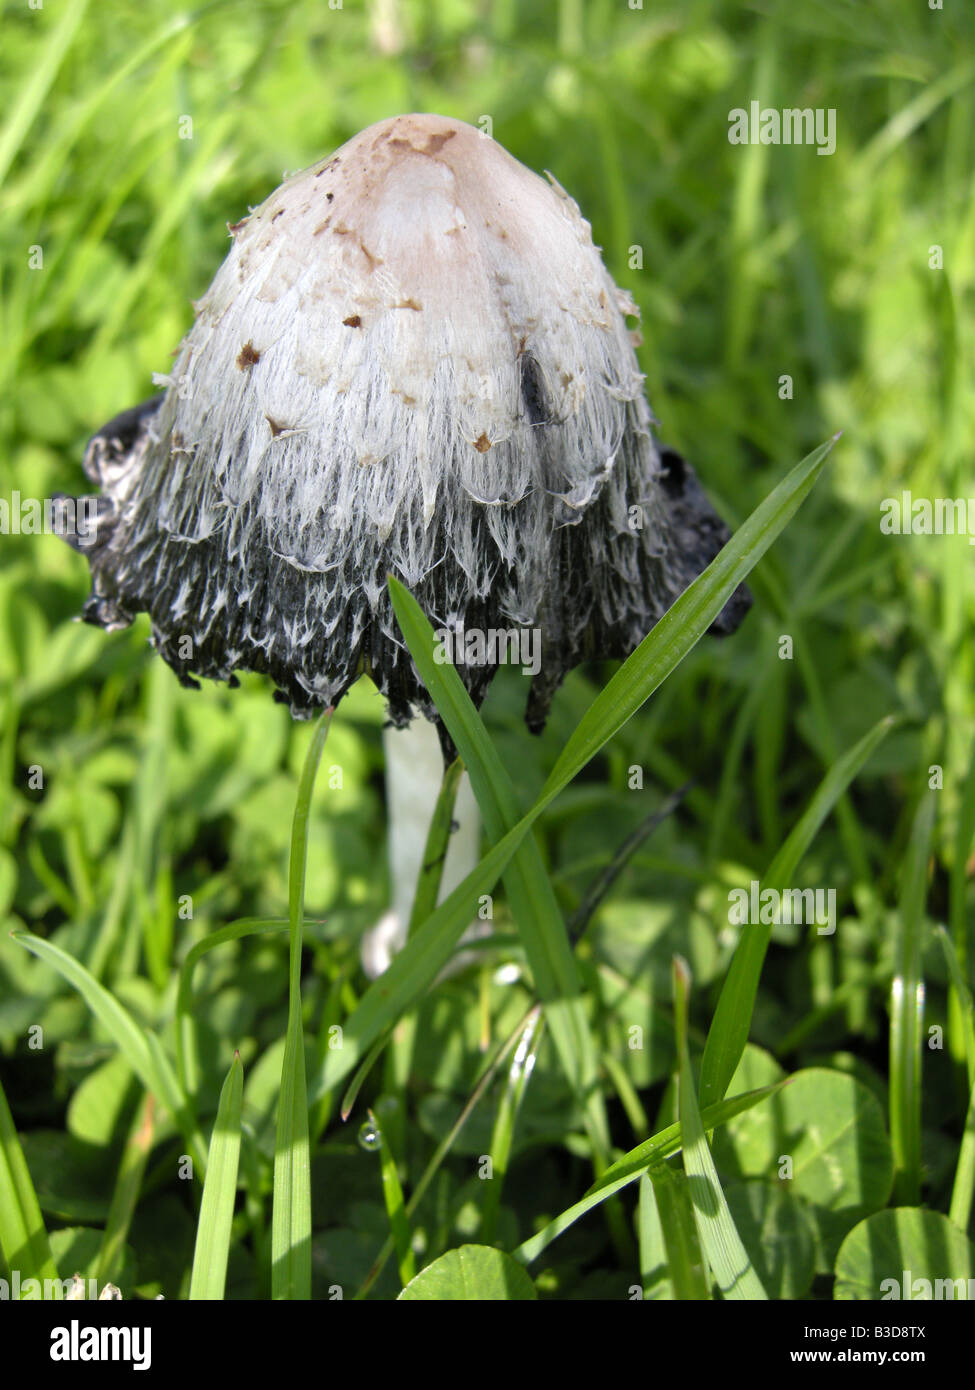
148,860
908,1250
470,1272
215,1227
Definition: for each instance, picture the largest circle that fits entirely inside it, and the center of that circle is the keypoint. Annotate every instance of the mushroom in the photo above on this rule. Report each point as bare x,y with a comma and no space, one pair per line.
412,361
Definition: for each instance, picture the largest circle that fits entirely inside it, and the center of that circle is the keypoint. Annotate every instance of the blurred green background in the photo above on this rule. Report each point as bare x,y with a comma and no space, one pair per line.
137,816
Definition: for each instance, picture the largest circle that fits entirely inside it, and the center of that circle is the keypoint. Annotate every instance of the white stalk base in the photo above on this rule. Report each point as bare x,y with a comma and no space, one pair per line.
414,772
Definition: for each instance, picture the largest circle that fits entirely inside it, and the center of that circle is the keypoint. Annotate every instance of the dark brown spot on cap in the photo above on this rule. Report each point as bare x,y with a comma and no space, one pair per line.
276,426
482,443
353,321
436,142
247,356
434,145
234,227
340,229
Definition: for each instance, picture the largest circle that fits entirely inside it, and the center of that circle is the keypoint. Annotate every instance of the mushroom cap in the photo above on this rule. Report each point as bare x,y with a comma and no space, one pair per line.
412,361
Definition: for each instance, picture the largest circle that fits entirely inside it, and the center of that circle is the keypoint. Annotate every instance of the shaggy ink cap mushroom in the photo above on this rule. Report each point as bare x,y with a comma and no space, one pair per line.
412,361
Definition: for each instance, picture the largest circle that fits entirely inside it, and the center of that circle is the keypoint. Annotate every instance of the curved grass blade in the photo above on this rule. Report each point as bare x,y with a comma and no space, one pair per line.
730,1026
141,1049
291,1216
730,1262
23,1237
212,1250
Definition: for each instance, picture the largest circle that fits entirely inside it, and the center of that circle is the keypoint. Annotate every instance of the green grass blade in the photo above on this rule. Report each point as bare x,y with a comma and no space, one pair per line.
730,1262
907,1013
57,151
23,1237
435,849
140,1048
963,1187
533,903
427,952
414,968
448,1141
907,119
502,1136
957,907
31,99
686,1265
187,1065
365,1067
626,1092
291,1209
291,1218
401,1040
399,1221
212,1249
128,1185
650,1240
684,623
198,174
960,986
730,1026
632,1165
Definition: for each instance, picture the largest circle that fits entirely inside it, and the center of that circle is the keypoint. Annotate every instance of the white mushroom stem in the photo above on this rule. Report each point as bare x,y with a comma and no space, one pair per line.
414,772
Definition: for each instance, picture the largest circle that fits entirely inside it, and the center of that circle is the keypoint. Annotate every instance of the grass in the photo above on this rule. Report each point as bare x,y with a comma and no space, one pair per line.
151,856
